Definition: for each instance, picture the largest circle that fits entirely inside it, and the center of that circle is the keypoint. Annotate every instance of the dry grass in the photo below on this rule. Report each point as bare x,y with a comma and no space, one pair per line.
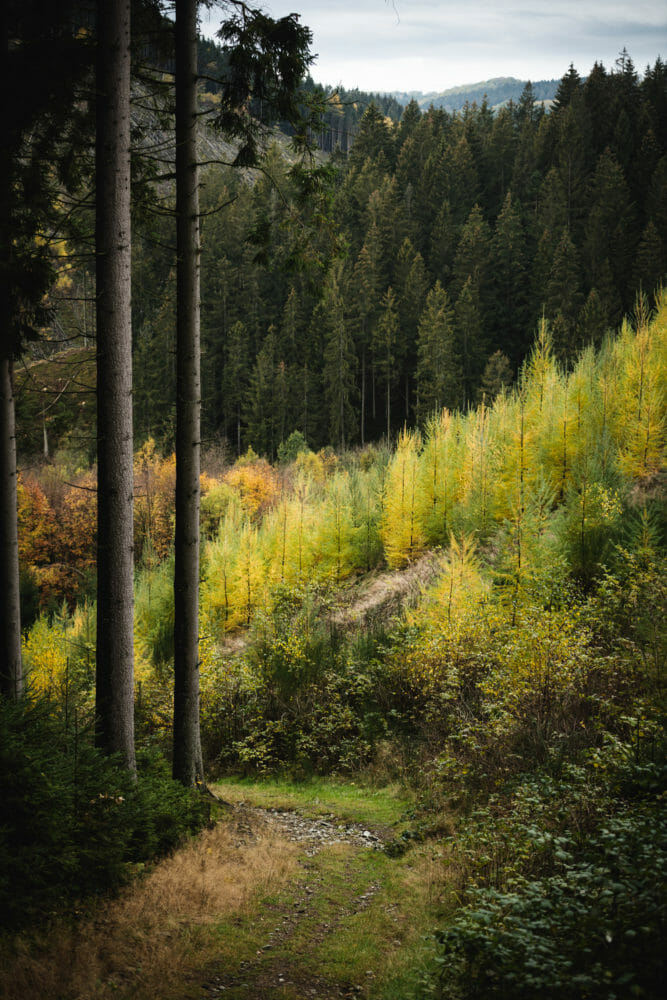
158,931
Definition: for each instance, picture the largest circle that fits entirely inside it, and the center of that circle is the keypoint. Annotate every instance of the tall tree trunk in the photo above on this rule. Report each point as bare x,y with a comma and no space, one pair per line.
115,553
188,766
11,676
363,396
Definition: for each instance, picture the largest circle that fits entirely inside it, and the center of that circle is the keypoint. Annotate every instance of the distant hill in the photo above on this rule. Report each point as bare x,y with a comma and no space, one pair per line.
498,91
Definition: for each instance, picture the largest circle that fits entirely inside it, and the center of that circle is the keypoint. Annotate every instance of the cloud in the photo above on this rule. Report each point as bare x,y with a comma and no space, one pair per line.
428,45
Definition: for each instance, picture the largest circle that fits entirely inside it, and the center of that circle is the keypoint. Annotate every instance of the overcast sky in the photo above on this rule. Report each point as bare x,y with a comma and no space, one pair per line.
425,45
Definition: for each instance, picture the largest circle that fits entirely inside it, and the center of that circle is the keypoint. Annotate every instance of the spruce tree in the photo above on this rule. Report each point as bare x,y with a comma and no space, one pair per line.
473,257
114,704
443,242
464,184
469,340
339,363
439,375
501,157
41,63
610,227
385,336
510,283
260,399
597,100
235,381
650,264
374,138
411,284
563,298
364,309
497,376
592,322
188,765
572,157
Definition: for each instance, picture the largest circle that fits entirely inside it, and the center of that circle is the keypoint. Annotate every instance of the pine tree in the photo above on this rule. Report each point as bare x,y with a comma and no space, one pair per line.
473,257
469,340
610,226
235,380
385,336
439,376
563,298
188,767
365,308
411,284
339,363
114,705
510,283
650,265
260,399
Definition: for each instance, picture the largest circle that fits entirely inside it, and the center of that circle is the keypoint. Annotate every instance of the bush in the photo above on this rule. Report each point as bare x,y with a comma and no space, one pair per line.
584,914
75,820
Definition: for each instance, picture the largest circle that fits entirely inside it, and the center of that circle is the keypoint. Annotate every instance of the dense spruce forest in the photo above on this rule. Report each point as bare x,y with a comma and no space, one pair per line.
447,238
432,534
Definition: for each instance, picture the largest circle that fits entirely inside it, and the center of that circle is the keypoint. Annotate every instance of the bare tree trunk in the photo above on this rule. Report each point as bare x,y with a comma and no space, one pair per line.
11,674
187,767
363,396
115,553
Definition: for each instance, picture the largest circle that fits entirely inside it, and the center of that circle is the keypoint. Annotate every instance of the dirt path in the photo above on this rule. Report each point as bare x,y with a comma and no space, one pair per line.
339,880
380,595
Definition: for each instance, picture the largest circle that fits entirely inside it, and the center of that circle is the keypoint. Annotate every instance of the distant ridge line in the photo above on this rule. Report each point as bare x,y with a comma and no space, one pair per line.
498,90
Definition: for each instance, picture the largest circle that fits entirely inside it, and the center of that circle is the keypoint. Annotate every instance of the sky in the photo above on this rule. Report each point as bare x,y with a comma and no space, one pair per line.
428,46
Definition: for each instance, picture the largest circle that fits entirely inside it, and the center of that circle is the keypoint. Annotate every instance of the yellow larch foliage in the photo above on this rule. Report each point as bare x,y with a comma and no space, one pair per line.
639,417
402,530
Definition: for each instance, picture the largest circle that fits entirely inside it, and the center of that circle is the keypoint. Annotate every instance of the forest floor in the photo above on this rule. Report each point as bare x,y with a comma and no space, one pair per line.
350,922
311,891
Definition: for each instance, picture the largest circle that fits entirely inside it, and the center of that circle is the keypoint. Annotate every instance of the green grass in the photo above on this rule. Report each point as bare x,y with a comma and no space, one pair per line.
353,919
354,802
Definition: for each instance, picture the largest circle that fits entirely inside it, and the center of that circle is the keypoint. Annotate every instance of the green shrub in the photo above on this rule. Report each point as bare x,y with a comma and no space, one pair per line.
293,446
569,911
75,820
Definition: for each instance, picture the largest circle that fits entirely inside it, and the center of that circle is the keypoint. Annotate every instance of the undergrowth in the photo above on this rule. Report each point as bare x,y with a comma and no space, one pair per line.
76,822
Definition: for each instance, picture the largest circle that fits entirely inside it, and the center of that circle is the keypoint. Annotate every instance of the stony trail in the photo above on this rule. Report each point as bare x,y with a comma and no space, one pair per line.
308,917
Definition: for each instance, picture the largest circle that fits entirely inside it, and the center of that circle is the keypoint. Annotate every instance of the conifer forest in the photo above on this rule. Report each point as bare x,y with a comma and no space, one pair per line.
332,486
